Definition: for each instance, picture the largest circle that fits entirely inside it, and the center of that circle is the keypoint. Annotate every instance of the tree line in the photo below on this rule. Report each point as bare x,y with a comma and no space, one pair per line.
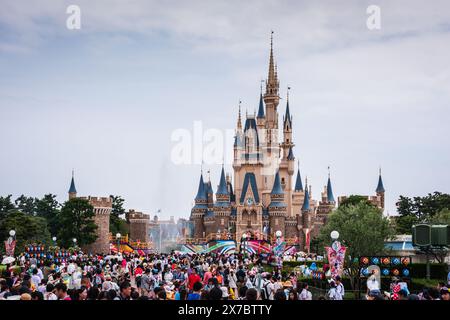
38,220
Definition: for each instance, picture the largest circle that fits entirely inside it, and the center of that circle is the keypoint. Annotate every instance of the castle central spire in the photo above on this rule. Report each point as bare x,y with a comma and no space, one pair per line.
271,97
272,79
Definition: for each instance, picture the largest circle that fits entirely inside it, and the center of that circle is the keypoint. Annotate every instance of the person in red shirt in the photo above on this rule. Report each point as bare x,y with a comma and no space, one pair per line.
208,275
193,278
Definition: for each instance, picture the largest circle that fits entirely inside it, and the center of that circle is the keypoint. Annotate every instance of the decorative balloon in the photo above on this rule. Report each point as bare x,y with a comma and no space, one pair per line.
385,272
395,272
405,272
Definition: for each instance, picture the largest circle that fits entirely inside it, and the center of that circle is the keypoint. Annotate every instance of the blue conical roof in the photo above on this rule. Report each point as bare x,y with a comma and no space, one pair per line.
201,193
72,188
380,187
261,107
277,189
288,115
330,196
305,206
298,182
223,184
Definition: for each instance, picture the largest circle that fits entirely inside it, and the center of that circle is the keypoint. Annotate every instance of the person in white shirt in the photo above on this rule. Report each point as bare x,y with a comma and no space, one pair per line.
71,267
340,292
332,294
269,287
49,295
108,284
305,294
35,279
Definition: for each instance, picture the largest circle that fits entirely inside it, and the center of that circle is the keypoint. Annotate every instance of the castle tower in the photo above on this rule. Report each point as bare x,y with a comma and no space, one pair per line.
306,218
271,98
380,191
102,208
72,189
298,194
209,192
222,207
238,143
330,196
261,118
139,225
199,210
325,206
287,161
277,207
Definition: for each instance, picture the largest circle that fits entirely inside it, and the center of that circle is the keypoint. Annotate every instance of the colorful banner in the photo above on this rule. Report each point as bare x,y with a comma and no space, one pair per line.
336,255
10,246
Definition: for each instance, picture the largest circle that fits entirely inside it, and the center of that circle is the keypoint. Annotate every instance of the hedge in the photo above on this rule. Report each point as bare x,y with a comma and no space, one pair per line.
437,270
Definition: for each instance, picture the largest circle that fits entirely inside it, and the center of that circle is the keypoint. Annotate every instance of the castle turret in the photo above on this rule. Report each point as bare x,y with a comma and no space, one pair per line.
380,191
298,181
277,206
222,207
200,208
72,189
330,196
271,98
260,118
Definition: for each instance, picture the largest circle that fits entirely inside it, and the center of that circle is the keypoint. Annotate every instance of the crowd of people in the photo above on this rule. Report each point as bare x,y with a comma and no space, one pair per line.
174,276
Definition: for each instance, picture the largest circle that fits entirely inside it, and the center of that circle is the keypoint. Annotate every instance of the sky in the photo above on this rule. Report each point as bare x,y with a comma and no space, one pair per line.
107,99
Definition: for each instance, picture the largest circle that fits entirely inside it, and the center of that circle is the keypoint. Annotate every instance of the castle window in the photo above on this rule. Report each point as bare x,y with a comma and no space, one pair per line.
222,222
276,222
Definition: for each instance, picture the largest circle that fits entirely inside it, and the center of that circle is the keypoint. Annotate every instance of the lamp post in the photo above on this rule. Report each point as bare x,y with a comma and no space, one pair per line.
335,245
243,240
74,242
10,243
54,241
118,235
279,252
334,235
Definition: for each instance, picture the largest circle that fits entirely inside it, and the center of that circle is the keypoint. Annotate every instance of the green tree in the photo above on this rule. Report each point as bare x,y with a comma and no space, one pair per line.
419,209
403,224
362,229
76,220
6,205
26,204
354,200
117,223
442,217
29,229
48,208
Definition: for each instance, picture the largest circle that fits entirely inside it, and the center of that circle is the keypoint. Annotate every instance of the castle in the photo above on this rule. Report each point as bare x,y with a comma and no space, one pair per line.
261,200
102,209
141,228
